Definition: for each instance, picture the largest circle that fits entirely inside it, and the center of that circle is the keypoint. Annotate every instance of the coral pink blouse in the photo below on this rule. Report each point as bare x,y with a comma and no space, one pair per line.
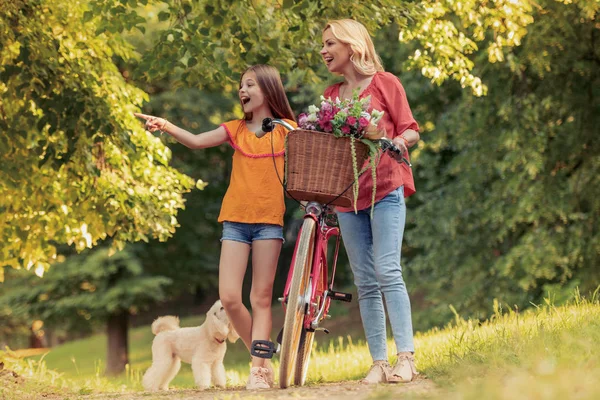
387,95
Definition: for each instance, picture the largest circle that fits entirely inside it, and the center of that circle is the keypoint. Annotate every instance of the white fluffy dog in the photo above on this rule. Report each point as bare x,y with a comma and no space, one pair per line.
203,346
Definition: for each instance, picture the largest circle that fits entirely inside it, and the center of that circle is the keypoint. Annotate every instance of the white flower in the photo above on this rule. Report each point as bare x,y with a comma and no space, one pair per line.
311,117
312,109
376,116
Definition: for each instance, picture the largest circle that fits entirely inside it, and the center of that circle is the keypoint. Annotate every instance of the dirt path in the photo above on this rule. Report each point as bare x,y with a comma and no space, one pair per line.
324,391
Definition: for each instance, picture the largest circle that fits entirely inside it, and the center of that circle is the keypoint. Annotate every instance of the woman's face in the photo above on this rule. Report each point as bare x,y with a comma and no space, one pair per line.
251,96
335,53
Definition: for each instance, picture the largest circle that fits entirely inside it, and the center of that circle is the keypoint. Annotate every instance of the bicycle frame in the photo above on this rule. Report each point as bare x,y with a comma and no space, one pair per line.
319,302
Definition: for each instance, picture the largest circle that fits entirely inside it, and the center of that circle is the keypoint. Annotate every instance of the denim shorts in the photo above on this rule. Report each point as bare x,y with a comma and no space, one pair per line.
247,233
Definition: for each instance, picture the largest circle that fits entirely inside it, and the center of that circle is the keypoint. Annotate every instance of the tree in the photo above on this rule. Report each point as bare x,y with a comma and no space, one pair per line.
210,43
508,204
88,290
90,172
77,167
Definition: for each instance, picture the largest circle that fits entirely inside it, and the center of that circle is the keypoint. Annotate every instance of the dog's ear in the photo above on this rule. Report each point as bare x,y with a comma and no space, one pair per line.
232,336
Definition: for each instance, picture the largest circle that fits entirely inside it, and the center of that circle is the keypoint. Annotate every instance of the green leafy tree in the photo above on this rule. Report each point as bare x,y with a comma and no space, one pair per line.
211,42
509,202
76,167
88,290
90,171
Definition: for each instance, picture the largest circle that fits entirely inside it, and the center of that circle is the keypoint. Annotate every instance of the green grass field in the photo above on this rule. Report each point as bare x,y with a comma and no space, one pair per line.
547,353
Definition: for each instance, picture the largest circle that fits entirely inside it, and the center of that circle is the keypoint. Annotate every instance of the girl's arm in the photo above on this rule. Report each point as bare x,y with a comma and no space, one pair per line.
201,141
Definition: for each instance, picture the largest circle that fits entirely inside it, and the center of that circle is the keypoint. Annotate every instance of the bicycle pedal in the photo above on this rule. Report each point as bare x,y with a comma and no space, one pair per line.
262,349
341,296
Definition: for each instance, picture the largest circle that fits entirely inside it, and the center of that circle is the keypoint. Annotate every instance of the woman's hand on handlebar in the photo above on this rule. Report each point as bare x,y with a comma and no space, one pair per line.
401,144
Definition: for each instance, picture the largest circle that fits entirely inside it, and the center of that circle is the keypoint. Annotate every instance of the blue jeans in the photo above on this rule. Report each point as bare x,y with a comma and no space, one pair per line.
373,247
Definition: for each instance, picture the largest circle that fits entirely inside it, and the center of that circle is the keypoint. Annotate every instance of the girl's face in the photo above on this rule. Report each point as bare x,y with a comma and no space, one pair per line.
335,53
251,96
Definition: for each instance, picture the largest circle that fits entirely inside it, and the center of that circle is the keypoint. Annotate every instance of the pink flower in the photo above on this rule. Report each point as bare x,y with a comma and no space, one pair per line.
351,120
346,129
326,126
363,122
325,116
302,119
326,106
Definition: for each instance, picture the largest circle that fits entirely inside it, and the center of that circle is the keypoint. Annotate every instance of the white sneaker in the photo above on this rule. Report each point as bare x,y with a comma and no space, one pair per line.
270,375
258,379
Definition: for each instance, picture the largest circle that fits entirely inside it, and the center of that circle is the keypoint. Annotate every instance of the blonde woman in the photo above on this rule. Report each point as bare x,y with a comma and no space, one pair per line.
374,244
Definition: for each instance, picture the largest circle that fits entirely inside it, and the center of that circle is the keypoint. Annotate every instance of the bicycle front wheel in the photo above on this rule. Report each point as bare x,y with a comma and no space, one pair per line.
296,303
304,349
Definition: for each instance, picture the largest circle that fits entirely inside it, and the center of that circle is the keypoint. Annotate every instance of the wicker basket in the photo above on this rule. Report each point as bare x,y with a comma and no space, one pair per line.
319,167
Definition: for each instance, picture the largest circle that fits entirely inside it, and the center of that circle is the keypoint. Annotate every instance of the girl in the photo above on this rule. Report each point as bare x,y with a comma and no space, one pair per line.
253,207
373,244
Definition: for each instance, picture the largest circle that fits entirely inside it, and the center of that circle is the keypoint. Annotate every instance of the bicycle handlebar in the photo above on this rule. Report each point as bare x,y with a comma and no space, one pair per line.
268,124
386,144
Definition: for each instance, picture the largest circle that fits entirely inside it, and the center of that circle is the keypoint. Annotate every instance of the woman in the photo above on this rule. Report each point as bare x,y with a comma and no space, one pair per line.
374,244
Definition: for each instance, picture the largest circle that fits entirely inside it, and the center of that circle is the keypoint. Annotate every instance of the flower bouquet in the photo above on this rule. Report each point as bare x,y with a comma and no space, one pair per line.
350,119
342,118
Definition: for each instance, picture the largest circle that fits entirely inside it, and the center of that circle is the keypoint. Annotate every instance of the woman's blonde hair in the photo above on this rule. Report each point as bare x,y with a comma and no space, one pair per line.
364,57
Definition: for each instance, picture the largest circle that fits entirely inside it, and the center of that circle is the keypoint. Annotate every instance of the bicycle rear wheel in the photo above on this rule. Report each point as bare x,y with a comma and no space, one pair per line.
296,304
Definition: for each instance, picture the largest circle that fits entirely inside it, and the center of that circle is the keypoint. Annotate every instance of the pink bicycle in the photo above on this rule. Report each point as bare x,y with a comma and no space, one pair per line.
309,287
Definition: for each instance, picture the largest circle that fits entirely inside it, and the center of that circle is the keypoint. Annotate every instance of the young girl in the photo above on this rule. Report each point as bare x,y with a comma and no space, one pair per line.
253,207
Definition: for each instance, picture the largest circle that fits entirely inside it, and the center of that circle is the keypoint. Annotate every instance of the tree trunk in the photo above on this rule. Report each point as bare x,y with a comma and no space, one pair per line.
35,341
118,347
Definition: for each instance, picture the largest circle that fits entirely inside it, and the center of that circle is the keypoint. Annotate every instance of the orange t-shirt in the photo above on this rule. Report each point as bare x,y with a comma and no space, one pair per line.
255,194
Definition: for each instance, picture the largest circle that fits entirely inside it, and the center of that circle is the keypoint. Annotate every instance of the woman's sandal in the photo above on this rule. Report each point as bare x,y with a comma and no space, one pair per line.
378,373
404,371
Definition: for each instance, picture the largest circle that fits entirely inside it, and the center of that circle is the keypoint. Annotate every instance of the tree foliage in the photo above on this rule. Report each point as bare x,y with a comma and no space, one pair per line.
214,41
506,206
77,167
91,284
509,202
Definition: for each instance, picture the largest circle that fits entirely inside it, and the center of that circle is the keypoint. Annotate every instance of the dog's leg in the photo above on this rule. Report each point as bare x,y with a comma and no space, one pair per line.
170,374
162,364
218,374
201,371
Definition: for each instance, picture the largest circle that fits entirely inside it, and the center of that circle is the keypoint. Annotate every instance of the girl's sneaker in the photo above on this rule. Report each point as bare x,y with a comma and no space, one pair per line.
378,373
258,379
404,371
270,375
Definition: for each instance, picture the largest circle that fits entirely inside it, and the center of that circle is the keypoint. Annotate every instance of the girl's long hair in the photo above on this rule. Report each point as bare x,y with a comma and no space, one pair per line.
354,34
270,83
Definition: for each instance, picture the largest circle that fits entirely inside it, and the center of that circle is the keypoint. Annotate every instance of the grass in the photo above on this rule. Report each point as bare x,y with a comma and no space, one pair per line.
545,353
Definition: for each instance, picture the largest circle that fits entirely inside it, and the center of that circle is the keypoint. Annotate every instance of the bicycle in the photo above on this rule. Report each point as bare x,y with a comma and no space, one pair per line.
308,290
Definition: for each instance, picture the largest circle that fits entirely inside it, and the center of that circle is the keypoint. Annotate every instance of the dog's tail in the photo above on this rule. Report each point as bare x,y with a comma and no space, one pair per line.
167,323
